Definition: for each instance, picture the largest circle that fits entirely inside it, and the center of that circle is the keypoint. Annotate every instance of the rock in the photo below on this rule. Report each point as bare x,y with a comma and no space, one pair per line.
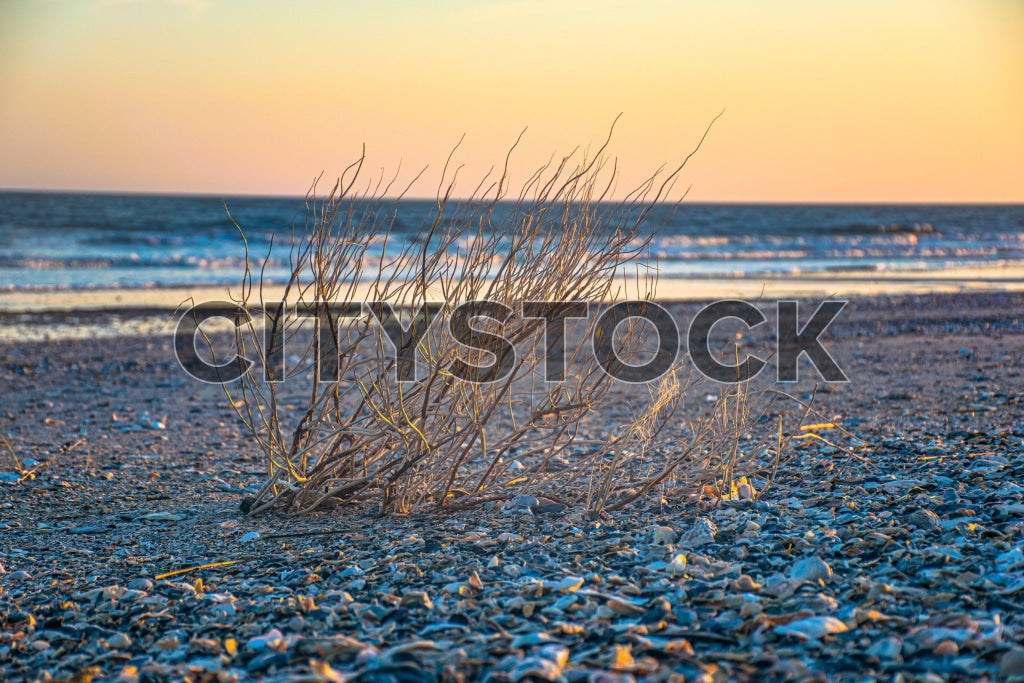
1010,560
745,584
664,535
250,536
812,628
119,641
1011,666
545,506
163,517
520,504
417,599
924,519
623,608
886,649
677,565
702,532
526,640
271,640
569,584
141,584
746,491
535,669
810,570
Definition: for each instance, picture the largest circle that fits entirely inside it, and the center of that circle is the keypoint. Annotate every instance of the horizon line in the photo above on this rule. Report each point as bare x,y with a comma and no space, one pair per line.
511,198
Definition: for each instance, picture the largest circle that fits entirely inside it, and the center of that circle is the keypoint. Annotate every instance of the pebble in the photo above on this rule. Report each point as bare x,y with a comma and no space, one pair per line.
141,584
745,584
272,639
908,568
924,519
810,570
677,565
119,641
1011,665
417,599
812,627
664,535
701,533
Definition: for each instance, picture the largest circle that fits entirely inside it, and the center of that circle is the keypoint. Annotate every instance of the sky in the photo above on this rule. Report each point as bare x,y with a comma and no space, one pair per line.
866,101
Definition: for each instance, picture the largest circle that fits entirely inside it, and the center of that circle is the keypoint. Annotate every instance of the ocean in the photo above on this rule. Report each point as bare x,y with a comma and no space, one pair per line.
53,241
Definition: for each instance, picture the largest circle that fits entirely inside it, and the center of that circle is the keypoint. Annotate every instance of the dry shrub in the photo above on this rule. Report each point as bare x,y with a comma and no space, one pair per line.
336,424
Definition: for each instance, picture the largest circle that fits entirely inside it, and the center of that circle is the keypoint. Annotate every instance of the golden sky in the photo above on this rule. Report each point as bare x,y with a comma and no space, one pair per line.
873,100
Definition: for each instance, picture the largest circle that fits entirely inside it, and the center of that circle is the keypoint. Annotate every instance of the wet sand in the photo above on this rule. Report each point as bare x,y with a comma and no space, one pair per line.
835,284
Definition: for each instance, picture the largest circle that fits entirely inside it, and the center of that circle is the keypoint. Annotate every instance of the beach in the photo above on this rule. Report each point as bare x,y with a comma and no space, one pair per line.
511,342
891,549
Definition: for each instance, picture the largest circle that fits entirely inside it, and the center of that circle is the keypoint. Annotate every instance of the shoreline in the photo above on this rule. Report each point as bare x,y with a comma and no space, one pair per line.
837,284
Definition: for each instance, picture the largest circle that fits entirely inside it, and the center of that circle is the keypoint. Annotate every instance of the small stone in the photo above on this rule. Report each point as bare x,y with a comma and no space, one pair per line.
251,536
271,640
665,535
569,584
1012,663
163,517
745,584
750,609
20,575
702,532
417,599
22,619
521,504
168,643
526,640
531,669
924,519
141,584
224,610
886,648
677,565
548,507
947,648
624,609
810,570
1010,560
812,628
119,641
